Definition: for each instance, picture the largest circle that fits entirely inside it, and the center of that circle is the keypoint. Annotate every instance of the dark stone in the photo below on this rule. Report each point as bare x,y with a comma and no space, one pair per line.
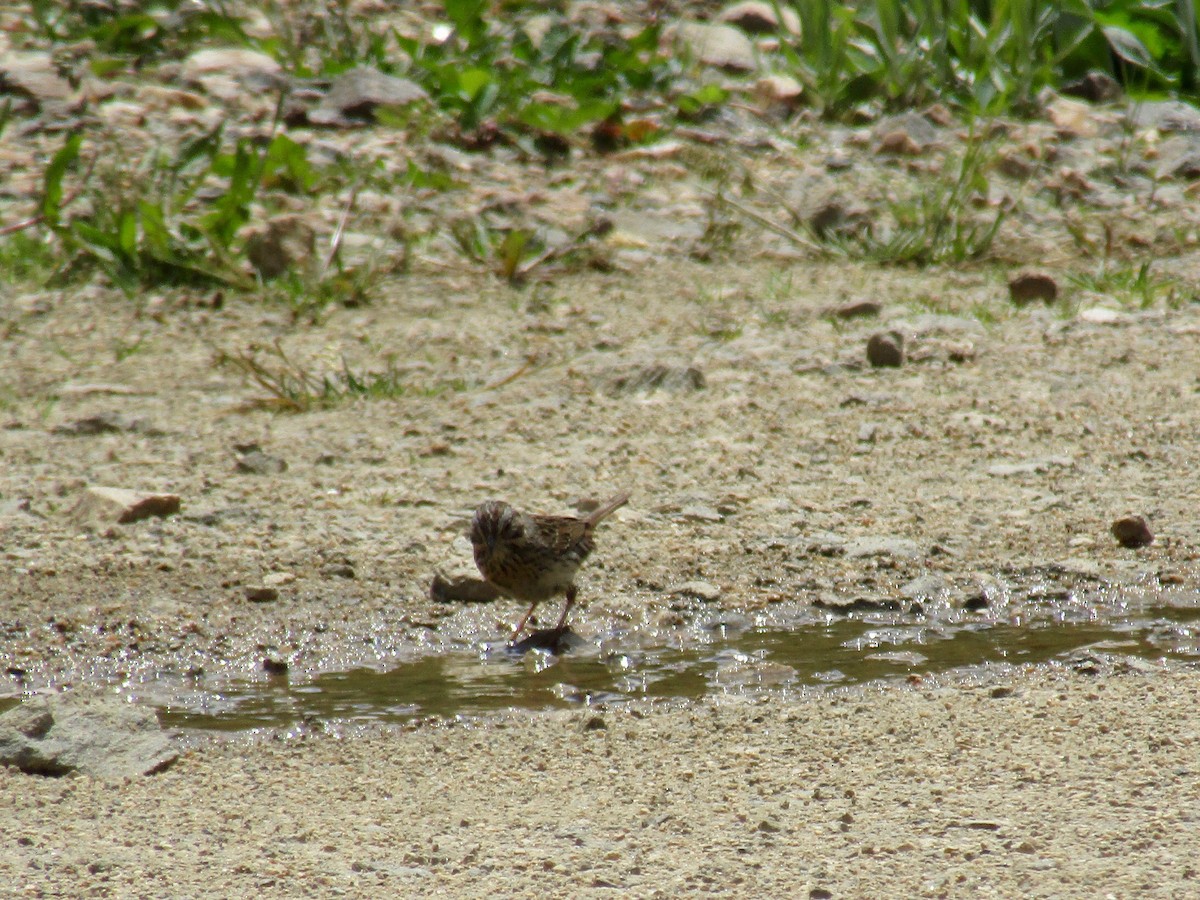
1132,531
976,602
857,309
846,605
1095,87
1030,286
262,594
885,349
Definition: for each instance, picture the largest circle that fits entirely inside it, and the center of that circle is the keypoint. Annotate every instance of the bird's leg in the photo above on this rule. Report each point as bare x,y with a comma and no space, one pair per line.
524,619
562,620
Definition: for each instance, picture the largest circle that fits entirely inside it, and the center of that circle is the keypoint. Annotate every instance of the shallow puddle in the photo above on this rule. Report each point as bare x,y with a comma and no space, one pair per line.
840,652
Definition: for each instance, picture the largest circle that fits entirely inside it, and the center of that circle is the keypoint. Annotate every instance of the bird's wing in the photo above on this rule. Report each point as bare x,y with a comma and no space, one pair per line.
561,532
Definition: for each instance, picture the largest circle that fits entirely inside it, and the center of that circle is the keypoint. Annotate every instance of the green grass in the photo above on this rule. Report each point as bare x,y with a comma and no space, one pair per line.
294,387
937,223
987,57
1133,284
932,222
546,88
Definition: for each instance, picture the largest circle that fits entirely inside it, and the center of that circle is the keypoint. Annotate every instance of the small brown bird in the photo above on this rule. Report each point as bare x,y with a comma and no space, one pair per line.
530,557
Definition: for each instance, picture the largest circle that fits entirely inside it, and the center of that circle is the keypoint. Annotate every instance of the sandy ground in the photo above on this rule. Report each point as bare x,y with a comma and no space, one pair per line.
1001,469
1069,786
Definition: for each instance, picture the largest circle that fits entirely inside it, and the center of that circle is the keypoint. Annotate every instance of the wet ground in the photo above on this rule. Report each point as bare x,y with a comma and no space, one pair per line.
726,655
841,653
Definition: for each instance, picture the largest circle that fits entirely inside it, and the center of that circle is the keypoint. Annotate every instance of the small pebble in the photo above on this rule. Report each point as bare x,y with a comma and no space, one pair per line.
857,309
262,594
1030,286
1132,531
886,349
701,590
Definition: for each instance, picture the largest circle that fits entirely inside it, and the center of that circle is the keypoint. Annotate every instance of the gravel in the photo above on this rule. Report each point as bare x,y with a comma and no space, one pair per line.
1059,785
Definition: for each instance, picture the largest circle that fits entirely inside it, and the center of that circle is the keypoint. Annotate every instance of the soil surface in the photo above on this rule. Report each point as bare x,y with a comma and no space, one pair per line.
997,476
1057,785
770,469
775,474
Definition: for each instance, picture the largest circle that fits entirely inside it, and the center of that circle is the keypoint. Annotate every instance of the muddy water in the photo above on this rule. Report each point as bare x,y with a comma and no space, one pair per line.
837,652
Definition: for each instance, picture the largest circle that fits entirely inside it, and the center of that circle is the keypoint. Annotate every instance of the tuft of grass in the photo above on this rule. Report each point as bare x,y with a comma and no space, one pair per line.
134,32
293,387
936,224
987,58
27,258
1138,286
516,253
172,218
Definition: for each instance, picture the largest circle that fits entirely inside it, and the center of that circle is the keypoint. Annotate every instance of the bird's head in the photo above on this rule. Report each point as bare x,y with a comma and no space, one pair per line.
493,526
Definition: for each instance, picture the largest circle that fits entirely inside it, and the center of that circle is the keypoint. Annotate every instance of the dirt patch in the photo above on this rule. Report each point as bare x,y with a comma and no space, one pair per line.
995,460
1032,788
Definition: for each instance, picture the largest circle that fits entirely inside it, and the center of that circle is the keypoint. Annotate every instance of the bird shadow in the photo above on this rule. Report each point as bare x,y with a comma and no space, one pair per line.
547,640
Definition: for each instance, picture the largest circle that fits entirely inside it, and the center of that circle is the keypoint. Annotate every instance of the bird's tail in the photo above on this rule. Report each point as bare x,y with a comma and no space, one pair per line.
615,503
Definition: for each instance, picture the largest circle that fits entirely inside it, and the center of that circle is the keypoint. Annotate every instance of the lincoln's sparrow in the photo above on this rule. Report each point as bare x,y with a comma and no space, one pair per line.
532,558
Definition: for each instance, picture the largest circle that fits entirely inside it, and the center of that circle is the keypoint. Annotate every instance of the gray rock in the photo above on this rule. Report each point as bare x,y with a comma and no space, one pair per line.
783,90
757,17
229,62
701,590
1184,165
1167,115
926,587
253,461
109,505
720,46
907,134
886,349
98,736
354,96
34,76
899,548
